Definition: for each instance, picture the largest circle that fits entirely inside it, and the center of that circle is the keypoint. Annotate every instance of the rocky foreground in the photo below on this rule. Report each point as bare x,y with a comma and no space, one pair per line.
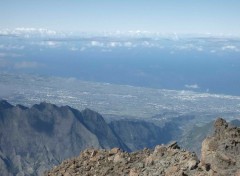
220,157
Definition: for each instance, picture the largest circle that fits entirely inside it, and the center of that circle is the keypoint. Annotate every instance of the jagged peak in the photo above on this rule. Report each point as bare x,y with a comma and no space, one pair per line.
91,113
5,105
163,160
22,107
44,105
87,110
220,122
221,151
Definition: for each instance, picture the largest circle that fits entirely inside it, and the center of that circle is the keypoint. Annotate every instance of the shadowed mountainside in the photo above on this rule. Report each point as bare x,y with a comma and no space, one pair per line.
138,134
34,139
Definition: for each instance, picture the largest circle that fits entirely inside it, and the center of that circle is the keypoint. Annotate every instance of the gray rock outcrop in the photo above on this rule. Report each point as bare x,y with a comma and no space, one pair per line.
163,160
220,157
221,152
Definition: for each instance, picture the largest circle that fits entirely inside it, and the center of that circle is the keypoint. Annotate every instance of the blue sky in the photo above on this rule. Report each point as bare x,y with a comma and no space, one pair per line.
185,16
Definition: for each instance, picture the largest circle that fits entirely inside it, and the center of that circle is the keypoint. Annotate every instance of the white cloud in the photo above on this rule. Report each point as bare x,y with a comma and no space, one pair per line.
4,55
192,86
26,64
97,44
42,31
74,49
82,48
199,48
185,47
189,47
147,44
29,32
50,44
114,44
137,33
175,37
230,47
12,47
128,44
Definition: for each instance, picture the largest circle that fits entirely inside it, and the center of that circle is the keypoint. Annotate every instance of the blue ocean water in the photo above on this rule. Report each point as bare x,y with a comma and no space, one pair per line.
199,64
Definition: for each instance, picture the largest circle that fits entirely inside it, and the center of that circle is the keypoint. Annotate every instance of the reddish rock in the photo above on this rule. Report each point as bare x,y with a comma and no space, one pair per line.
220,157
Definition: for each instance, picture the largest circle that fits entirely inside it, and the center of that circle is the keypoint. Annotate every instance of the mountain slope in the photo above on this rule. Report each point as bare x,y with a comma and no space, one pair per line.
138,134
193,139
34,139
221,152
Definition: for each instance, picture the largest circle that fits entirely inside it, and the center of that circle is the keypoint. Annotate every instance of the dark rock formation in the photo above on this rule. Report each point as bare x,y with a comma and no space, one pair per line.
97,125
34,139
5,105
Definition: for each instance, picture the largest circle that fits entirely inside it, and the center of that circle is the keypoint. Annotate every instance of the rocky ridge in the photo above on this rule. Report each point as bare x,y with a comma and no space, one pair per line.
220,156
222,151
163,160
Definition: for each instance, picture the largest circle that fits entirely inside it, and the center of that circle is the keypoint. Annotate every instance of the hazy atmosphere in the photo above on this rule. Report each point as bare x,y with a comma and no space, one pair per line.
186,16
79,76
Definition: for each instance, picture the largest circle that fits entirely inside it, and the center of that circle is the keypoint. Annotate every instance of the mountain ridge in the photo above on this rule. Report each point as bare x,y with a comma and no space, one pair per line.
36,138
33,139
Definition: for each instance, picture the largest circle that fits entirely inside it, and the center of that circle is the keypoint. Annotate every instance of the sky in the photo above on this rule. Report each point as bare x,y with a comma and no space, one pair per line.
165,16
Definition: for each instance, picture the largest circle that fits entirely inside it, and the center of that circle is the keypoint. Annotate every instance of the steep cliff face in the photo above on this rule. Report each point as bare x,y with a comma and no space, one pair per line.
192,140
221,152
34,139
220,157
140,134
97,125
